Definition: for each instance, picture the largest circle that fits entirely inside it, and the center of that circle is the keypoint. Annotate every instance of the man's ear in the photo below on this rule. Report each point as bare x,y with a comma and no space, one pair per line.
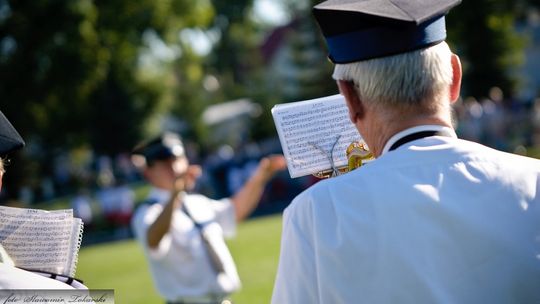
455,87
356,108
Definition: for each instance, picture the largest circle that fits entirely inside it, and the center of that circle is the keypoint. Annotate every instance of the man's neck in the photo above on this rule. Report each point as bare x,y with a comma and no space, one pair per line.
382,129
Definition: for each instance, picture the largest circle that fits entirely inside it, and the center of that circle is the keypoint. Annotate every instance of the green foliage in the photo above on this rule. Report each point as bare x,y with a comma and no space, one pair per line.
483,34
121,266
234,25
71,76
53,64
234,63
126,101
71,67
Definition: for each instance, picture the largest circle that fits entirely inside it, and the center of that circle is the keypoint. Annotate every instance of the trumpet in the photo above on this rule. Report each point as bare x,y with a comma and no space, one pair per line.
357,153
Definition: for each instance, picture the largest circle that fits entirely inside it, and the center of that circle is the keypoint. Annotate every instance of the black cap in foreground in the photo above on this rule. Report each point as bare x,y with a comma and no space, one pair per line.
357,30
166,146
10,140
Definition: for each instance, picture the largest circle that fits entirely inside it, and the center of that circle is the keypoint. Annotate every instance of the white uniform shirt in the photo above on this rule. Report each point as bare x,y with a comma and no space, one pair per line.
180,265
14,278
438,220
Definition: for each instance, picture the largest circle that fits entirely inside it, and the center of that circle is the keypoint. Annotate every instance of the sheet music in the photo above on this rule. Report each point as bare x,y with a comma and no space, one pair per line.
307,128
41,240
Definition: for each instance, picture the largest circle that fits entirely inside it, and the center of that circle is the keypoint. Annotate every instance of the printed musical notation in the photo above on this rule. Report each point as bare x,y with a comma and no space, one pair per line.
41,240
306,128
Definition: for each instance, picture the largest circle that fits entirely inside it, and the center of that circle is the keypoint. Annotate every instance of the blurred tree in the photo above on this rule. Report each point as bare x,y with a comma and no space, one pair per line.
269,65
71,72
229,66
295,68
483,34
50,63
51,60
236,28
190,96
309,70
127,98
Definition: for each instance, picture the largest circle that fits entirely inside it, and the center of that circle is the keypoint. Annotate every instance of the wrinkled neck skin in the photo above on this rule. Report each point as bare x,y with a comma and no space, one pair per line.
377,129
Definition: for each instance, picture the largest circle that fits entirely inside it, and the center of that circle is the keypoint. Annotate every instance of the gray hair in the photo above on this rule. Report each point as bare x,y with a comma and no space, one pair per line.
413,81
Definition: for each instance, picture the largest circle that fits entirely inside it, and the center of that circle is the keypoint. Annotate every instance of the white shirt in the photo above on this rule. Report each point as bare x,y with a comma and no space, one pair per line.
180,266
438,220
14,278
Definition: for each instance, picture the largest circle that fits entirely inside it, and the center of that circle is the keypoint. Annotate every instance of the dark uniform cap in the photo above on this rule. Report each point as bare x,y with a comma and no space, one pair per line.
163,147
357,30
10,140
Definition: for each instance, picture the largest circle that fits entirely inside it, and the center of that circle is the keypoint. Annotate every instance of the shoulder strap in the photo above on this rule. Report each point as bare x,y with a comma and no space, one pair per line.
215,259
149,201
198,224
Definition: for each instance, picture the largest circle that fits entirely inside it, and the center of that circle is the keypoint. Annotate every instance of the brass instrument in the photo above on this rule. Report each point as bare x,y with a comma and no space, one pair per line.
357,154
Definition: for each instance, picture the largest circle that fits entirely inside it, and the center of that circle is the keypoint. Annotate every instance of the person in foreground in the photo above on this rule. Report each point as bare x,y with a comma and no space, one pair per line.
12,277
434,219
183,234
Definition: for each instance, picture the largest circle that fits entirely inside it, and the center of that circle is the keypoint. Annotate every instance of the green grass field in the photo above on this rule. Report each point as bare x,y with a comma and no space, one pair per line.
121,265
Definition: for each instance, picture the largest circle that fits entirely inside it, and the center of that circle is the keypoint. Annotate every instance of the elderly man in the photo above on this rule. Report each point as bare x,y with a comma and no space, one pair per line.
183,234
434,219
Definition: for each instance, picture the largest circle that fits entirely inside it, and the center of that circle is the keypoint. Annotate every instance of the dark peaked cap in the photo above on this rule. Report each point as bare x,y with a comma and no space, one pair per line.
163,147
10,140
357,30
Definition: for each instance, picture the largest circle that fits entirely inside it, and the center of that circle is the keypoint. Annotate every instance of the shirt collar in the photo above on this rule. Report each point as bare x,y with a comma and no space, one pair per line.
160,195
445,131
